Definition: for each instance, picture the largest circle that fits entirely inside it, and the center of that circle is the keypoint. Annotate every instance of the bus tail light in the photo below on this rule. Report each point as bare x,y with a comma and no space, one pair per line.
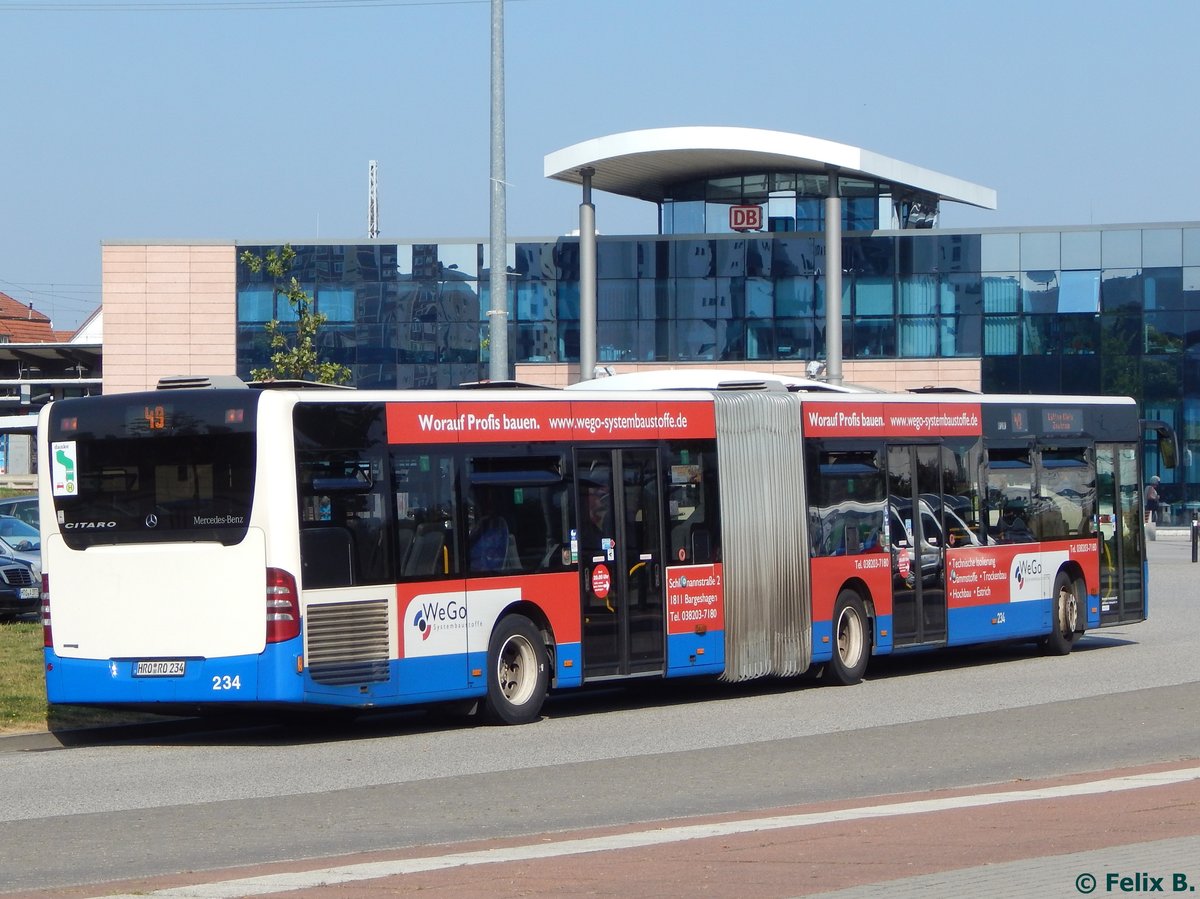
283,606
47,636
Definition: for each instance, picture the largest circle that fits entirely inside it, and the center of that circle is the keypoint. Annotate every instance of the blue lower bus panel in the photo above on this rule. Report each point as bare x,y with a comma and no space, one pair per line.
100,681
694,654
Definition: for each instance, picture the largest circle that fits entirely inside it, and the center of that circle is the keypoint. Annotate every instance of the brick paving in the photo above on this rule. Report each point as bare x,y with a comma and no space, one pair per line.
1030,847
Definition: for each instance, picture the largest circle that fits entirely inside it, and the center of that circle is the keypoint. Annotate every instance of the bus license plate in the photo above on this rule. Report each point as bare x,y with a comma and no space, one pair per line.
160,668
30,592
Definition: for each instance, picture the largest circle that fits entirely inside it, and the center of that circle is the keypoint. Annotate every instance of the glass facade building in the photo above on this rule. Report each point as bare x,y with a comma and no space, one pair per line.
1106,309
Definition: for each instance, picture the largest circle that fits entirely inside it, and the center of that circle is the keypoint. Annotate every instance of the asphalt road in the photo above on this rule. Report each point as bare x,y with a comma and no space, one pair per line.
206,800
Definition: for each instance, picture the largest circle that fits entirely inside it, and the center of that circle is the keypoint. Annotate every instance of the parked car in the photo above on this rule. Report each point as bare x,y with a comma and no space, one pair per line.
20,540
24,507
20,588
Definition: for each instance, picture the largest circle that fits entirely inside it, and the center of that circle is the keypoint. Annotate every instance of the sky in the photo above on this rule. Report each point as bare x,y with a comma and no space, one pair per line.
256,120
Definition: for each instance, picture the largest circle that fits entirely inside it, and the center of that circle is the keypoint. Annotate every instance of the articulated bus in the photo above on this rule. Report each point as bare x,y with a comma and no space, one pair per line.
234,544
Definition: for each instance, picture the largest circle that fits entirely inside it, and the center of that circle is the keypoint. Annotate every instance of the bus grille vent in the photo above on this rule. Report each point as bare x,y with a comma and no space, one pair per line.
348,642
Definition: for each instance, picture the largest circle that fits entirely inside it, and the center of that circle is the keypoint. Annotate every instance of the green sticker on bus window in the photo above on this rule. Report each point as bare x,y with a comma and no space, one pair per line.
424,463
518,495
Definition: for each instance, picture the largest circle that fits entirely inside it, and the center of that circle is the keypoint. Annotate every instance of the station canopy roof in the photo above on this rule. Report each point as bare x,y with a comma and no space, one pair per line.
644,164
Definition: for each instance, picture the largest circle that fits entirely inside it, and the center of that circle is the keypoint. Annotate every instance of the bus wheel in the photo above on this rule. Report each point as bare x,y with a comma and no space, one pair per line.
1063,632
518,672
851,646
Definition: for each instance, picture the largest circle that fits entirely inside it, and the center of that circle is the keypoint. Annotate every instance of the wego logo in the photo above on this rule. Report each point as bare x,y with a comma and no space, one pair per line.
421,623
1023,568
447,612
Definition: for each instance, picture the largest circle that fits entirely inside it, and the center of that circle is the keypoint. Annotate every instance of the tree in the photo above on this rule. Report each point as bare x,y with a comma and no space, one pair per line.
298,360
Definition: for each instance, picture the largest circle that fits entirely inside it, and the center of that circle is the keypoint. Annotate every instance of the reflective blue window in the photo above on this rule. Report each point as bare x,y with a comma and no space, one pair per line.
918,295
255,304
1162,247
1079,292
692,258
873,295
795,338
1191,246
760,298
336,303
872,336
793,256
1163,288
795,296
731,258
1121,290
810,215
1121,249
536,301
695,341
536,261
1000,335
616,341
616,299
1081,249
1039,291
537,342
1039,250
1080,335
1000,252
919,337
1166,332
616,259
1000,293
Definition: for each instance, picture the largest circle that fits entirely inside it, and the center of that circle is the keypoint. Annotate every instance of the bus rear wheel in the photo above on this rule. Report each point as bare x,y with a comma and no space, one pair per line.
1063,633
851,644
518,672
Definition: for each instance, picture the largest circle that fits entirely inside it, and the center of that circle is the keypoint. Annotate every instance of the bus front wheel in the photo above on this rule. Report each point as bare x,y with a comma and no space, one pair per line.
1063,633
518,672
851,643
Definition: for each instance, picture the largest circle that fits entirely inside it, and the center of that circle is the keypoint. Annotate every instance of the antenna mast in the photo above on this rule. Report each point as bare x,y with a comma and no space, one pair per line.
372,200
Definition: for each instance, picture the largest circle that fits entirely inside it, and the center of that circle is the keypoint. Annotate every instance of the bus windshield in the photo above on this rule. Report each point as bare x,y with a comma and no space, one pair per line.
134,469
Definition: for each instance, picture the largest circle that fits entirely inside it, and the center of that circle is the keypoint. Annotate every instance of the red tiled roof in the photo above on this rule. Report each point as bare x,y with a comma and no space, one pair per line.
23,324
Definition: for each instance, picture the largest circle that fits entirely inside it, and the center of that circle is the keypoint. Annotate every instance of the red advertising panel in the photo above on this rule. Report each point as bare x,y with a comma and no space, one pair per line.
695,599
508,421
852,418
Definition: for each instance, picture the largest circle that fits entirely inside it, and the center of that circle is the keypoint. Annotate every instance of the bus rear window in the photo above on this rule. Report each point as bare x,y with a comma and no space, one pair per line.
187,475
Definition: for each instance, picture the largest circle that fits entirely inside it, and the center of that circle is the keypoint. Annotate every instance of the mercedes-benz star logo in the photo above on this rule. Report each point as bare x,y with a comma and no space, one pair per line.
151,521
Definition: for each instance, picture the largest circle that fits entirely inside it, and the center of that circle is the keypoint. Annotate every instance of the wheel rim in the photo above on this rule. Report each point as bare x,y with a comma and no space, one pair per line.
1068,611
516,670
849,637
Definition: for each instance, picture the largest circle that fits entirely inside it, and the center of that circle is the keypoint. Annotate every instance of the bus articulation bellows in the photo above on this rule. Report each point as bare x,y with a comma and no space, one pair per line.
230,545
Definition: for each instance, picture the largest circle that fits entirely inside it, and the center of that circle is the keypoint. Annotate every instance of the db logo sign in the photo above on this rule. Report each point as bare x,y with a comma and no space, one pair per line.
745,218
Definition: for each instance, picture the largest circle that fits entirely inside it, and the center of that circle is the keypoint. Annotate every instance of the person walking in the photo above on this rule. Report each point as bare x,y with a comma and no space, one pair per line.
1153,500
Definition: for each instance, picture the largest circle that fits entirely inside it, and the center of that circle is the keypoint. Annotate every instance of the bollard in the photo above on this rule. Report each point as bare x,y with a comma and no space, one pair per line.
1195,537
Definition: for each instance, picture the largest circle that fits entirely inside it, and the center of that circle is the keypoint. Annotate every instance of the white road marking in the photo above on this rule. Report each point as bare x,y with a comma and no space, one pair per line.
278,883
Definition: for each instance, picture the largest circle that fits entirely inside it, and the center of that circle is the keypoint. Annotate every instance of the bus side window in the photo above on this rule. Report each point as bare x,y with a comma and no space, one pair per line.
517,513
692,522
326,557
847,502
1010,494
423,536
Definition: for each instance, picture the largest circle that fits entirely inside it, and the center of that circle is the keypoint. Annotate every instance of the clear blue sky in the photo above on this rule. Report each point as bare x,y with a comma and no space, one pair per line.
256,119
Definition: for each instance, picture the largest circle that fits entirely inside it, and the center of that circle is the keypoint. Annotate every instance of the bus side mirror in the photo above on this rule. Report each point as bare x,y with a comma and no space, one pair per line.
1168,443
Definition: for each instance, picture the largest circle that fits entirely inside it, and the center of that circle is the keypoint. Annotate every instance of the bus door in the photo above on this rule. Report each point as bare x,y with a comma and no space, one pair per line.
1118,507
619,539
917,547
